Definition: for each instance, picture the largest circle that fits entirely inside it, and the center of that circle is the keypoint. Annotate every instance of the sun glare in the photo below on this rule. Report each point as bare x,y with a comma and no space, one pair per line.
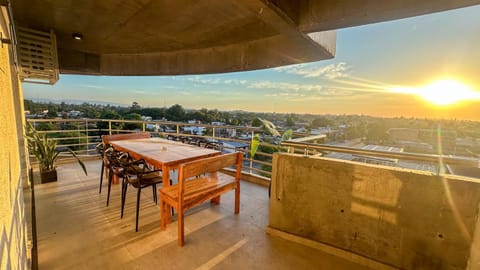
442,93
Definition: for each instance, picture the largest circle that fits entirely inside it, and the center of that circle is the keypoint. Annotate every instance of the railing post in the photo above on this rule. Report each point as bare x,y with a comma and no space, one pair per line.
143,126
178,129
86,132
213,132
109,127
251,158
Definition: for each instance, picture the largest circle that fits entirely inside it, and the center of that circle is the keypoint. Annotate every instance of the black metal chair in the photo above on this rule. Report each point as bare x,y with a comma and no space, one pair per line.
116,164
101,149
139,175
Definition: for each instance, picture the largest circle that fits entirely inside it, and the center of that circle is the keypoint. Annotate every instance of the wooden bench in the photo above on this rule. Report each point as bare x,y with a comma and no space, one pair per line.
200,181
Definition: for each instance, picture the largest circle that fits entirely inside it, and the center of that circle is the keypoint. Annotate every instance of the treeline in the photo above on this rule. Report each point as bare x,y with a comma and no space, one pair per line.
372,129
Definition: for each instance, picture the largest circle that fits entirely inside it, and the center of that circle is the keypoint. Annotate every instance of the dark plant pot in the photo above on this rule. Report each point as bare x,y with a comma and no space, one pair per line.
48,176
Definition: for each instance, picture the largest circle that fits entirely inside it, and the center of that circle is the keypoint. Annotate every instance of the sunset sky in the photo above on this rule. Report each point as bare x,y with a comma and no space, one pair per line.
383,69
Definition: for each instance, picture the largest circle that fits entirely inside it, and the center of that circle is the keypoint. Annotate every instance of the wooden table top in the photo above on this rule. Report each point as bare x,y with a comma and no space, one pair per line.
162,152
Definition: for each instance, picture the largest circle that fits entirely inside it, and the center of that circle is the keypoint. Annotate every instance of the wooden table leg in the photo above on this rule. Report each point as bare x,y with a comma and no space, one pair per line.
166,183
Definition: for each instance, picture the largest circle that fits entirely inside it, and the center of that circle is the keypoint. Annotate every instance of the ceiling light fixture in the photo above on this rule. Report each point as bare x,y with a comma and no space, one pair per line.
77,36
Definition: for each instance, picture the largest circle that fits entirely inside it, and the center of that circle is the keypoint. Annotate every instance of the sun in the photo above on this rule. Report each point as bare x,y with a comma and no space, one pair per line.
447,92
442,93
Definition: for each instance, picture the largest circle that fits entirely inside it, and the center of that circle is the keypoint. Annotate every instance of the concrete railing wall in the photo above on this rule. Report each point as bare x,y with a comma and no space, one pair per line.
13,236
406,219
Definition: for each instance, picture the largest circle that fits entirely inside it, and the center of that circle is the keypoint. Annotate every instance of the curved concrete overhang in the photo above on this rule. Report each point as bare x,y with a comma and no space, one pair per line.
161,37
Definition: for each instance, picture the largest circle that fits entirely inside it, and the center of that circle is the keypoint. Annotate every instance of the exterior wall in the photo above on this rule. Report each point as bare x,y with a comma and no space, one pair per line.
406,219
13,236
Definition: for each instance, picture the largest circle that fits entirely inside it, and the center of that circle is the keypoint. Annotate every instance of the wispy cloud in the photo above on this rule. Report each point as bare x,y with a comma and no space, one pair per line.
140,92
94,86
200,79
285,86
331,71
215,81
184,93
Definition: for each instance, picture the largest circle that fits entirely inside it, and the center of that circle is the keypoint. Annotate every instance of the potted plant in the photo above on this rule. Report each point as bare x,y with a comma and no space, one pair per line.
45,150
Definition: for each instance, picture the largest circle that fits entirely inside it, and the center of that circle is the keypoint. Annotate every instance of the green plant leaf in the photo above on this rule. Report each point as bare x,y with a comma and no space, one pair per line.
254,146
45,149
79,161
287,135
268,127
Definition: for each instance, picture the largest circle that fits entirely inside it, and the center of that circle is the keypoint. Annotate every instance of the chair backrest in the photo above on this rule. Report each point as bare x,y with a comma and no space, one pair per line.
129,136
211,165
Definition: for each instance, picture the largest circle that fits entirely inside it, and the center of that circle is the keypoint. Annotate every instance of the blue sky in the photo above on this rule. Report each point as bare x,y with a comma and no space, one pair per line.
370,60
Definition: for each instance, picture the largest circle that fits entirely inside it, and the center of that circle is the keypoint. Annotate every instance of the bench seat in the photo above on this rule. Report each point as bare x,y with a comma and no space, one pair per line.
200,181
200,190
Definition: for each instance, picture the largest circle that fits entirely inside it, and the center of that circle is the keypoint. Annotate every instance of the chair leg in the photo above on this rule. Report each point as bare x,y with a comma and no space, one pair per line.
154,187
138,208
101,176
110,178
124,196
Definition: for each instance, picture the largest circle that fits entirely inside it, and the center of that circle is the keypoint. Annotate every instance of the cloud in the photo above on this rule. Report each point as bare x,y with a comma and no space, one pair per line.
200,79
140,92
331,71
215,81
307,92
285,86
94,86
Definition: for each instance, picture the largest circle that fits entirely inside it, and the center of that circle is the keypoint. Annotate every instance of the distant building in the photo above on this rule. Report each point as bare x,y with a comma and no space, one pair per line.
229,146
194,130
74,114
385,161
441,141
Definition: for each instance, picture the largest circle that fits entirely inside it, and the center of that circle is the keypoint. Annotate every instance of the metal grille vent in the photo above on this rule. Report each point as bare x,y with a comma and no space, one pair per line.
37,56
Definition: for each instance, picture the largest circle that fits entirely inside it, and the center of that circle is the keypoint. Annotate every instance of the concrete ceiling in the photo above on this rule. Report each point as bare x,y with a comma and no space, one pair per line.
165,37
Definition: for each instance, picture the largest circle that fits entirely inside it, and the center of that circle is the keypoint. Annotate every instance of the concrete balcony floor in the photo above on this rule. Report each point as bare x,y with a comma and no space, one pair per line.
77,231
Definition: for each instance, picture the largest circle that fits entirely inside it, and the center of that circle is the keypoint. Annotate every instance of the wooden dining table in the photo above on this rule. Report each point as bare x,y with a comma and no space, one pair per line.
163,154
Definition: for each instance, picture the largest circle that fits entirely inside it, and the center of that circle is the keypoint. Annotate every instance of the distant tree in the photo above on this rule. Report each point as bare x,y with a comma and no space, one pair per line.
155,113
90,112
321,122
289,121
376,132
195,115
45,126
135,108
175,113
28,105
132,126
52,114
110,114
235,122
355,131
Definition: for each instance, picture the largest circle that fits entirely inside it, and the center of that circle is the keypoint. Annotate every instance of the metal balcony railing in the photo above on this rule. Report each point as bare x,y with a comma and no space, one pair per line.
442,162
82,135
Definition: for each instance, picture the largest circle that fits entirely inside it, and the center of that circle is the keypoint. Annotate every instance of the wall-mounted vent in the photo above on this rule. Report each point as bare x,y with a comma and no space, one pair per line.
37,56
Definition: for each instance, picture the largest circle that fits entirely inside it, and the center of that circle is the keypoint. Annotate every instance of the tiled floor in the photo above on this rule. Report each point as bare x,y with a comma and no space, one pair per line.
77,231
